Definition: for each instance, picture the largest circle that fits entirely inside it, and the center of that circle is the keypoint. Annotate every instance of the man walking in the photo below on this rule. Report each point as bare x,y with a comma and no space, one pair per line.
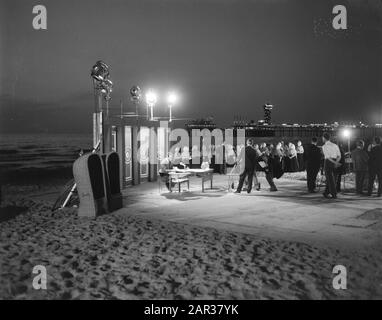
332,157
375,166
360,160
312,157
248,160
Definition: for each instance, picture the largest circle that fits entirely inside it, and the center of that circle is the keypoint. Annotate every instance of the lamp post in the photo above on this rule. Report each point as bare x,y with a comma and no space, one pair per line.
172,98
151,100
102,90
347,135
136,95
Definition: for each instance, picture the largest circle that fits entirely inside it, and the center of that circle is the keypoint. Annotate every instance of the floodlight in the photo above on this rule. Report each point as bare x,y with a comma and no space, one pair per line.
346,133
172,98
151,98
100,71
135,93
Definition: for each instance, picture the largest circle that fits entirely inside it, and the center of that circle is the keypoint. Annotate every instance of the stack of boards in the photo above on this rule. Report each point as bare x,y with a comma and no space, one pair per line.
98,184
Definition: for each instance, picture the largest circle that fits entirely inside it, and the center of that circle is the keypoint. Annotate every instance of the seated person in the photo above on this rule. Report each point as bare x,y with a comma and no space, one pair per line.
166,165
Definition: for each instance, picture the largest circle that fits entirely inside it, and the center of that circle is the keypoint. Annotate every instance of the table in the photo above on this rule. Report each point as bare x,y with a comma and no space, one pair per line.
205,174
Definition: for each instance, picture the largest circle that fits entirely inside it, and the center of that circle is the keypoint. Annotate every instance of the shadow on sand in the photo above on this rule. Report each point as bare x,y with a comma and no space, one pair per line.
315,199
8,213
192,195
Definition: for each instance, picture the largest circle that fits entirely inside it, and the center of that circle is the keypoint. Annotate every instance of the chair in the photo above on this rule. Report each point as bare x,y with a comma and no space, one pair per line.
179,179
175,178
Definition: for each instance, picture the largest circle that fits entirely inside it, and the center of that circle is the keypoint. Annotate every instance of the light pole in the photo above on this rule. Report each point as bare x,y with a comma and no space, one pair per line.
151,100
136,95
102,90
346,133
172,99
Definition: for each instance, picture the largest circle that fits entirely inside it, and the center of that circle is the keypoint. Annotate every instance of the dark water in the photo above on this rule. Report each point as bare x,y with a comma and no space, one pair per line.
36,158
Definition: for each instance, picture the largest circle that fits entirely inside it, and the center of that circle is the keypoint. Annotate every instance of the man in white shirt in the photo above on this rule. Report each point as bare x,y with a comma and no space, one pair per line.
332,156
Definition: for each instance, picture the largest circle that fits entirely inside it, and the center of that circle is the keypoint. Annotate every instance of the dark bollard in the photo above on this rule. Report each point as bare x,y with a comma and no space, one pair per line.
114,194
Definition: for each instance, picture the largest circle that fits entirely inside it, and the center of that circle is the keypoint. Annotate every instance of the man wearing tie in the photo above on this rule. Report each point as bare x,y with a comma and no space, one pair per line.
312,158
332,155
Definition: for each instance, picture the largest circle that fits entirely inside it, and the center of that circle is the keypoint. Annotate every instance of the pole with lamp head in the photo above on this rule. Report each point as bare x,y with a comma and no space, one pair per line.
172,99
135,93
346,133
103,87
151,100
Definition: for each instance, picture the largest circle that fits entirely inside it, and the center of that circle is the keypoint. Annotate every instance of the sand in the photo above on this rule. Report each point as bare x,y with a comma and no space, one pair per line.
124,257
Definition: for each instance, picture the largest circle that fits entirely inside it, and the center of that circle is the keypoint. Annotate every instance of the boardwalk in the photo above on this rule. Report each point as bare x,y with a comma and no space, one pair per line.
290,214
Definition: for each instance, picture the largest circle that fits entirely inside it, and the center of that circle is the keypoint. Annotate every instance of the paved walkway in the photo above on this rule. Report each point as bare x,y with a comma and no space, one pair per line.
290,214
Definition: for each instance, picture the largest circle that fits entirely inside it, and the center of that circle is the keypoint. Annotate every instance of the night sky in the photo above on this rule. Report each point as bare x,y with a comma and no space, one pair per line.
225,58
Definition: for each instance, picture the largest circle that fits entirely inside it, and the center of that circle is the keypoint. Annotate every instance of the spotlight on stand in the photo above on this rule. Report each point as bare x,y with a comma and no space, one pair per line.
103,87
151,100
100,71
100,74
107,88
346,133
136,95
172,99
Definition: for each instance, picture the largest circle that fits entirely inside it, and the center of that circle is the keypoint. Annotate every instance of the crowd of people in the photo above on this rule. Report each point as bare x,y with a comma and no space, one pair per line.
328,158
272,159
276,159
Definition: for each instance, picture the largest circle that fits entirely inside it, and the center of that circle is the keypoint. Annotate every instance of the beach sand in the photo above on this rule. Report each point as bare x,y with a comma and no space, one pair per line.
123,257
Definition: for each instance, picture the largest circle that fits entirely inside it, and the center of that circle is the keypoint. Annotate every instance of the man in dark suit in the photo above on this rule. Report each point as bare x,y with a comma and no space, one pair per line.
312,157
360,160
375,166
247,159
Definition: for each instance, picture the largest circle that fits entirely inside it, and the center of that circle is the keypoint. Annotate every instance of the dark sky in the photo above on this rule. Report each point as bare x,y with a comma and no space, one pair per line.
225,57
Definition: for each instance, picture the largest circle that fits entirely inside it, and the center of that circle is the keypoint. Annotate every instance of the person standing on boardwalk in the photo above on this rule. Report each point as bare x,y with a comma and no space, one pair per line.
360,160
267,160
312,158
332,155
247,159
375,166
341,170
300,156
292,155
